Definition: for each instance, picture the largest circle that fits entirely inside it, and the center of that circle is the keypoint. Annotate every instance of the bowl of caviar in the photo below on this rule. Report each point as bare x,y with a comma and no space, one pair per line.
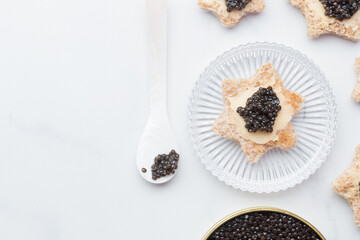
315,125
263,223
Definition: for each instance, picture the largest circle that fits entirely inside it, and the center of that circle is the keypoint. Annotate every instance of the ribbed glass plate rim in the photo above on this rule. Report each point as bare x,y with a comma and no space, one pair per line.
274,186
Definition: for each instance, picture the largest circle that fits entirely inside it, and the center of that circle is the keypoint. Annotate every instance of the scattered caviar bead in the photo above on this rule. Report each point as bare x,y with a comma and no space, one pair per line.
164,165
144,170
236,4
264,225
340,9
261,110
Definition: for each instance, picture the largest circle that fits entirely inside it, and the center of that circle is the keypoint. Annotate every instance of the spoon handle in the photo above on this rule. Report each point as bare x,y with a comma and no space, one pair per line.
157,54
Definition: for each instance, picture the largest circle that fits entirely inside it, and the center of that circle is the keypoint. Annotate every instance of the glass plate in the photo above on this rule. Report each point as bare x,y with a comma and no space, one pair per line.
315,124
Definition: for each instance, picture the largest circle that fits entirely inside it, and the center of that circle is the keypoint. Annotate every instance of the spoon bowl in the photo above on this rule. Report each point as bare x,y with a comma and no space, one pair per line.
158,138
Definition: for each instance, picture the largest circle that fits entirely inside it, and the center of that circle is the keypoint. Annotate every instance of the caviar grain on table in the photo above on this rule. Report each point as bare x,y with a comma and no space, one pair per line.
261,110
340,9
236,4
264,226
165,164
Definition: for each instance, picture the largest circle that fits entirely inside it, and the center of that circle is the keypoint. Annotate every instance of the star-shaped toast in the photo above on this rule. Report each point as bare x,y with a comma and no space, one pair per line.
318,23
356,92
230,125
230,19
348,186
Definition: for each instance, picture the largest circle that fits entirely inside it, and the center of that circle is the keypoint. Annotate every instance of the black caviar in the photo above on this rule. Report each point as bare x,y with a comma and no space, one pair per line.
261,110
340,9
264,225
164,165
236,4
144,170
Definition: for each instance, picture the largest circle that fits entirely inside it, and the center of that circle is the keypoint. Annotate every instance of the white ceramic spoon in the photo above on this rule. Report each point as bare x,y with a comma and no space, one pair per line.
158,136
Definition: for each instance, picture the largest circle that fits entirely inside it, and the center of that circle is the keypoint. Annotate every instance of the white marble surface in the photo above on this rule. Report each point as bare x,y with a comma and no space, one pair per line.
73,102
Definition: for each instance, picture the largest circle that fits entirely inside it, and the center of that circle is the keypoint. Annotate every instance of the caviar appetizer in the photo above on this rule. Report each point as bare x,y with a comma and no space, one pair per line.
348,186
356,92
257,113
264,225
164,165
230,12
339,17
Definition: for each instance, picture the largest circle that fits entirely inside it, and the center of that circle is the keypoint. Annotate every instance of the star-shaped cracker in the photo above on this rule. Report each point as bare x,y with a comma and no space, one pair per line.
227,125
318,23
230,19
348,186
356,92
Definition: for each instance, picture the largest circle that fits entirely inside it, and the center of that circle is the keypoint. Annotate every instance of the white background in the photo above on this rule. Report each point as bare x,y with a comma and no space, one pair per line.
73,102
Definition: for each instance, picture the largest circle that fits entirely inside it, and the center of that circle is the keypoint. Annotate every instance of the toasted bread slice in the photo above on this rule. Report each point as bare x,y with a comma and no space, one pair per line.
318,23
356,92
226,125
348,186
230,19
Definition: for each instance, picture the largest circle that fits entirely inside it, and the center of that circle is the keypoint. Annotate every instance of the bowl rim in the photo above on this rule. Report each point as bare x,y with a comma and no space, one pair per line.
260,209
322,155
